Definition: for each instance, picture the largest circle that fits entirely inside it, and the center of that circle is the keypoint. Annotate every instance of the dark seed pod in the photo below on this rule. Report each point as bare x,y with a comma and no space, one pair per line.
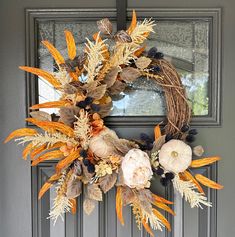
83,153
149,146
144,137
169,176
81,104
190,138
193,131
168,137
159,55
95,107
142,147
185,128
86,162
152,52
164,181
156,69
88,100
159,171
91,168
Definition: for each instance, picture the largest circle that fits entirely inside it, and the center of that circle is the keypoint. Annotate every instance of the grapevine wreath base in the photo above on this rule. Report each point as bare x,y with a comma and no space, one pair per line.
91,156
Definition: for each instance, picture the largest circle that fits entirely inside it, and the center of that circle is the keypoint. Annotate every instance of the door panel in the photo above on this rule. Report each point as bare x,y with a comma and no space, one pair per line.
15,175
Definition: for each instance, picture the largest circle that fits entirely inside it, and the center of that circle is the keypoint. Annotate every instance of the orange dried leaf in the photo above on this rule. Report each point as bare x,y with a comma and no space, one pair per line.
44,147
48,156
147,228
27,150
21,133
71,46
188,176
41,73
105,52
119,205
207,182
162,218
54,52
74,75
44,188
74,205
164,207
67,161
139,51
37,151
205,161
51,104
157,132
133,23
161,199
52,126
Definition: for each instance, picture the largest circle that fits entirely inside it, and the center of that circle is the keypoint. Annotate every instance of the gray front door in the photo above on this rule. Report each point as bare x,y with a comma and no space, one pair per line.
20,213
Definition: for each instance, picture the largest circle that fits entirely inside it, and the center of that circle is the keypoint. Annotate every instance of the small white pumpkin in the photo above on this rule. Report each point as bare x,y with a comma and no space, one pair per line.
175,156
136,169
99,146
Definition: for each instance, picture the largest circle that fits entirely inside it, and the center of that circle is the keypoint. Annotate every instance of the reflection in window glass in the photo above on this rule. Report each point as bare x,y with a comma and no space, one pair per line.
184,43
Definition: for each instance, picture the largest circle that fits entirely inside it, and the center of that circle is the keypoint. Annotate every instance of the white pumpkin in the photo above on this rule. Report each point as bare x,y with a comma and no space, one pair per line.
136,169
99,146
175,156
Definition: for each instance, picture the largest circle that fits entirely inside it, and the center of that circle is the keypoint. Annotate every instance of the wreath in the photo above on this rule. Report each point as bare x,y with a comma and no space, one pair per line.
91,156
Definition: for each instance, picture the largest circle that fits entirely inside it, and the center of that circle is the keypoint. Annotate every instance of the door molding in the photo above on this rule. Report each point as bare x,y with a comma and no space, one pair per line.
213,119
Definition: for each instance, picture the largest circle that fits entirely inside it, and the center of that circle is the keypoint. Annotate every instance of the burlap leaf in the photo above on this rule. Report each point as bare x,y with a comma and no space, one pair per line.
122,37
105,26
98,92
117,88
105,109
90,86
158,143
88,205
74,188
145,195
111,77
94,192
70,89
128,196
41,115
143,62
107,182
146,206
67,115
130,74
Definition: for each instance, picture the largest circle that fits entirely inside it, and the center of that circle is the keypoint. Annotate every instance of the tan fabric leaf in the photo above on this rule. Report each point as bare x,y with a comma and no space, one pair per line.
94,192
74,187
98,92
143,62
107,182
130,74
111,77
117,88
41,115
88,205
105,26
